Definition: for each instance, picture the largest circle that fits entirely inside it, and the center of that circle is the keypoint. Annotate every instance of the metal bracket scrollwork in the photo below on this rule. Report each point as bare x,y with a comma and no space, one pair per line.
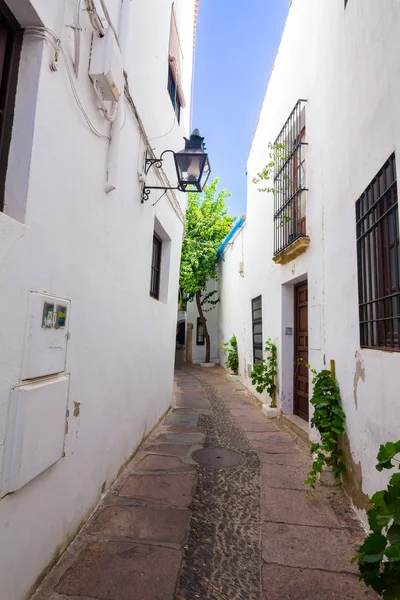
154,162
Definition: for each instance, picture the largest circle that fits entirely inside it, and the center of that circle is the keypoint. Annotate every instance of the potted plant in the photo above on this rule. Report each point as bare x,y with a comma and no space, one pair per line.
263,378
232,362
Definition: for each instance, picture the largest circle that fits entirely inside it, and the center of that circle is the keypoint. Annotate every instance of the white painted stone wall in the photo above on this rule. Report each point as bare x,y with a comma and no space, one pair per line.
61,234
344,62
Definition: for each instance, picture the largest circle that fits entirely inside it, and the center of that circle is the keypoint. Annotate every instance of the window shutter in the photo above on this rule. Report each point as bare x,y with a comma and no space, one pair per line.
175,56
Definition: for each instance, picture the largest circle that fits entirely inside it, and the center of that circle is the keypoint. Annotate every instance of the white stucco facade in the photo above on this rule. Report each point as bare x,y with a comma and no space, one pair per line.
62,235
344,62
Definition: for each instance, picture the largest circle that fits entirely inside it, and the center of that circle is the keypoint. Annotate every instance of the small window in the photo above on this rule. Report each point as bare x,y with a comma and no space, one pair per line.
199,333
175,58
156,267
256,309
378,258
173,94
10,53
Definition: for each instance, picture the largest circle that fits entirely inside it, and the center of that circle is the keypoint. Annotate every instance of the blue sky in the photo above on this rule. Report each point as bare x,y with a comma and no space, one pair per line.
236,47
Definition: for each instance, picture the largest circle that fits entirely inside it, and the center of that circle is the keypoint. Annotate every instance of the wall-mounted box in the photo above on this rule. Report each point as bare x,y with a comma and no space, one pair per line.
106,66
35,431
46,337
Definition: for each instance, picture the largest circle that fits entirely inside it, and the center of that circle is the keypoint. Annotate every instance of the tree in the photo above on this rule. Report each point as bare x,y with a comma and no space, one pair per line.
207,225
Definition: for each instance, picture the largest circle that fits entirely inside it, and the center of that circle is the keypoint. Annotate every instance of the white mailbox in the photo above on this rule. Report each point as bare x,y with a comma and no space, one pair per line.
35,430
46,337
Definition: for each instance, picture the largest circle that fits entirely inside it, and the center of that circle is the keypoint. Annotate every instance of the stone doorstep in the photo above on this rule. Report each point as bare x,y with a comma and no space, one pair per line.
298,426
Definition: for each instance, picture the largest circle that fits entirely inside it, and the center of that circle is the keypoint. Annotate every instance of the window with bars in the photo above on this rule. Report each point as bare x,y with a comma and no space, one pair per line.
378,257
256,310
290,179
175,58
199,333
10,53
156,267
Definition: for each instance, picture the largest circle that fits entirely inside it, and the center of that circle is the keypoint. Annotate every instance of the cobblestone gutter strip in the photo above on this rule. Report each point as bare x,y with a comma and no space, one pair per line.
222,560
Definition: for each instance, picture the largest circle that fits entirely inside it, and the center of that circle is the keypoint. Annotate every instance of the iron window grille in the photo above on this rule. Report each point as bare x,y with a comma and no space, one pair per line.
289,179
199,333
256,314
156,267
10,53
378,258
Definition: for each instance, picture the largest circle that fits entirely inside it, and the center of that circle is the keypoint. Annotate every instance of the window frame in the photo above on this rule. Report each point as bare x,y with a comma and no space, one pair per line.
8,89
254,323
378,261
173,93
155,277
200,340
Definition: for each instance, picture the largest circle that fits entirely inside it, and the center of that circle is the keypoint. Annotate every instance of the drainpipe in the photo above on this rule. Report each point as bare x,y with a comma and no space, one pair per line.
230,235
115,131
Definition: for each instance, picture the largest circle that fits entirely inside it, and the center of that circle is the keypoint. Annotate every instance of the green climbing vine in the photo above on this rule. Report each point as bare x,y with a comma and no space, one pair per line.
379,556
329,419
231,349
264,373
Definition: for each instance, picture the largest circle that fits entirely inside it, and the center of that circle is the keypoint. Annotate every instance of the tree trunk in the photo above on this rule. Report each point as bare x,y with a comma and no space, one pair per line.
204,323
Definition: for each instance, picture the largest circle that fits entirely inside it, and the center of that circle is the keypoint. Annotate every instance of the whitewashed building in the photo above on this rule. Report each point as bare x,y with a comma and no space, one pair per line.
88,272
316,266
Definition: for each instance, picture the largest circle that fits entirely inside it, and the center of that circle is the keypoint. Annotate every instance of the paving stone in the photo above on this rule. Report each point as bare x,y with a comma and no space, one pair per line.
181,420
292,506
265,435
251,426
121,571
172,489
181,438
287,583
192,411
294,457
308,547
274,446
156,462
183,429
280,476
193,402
168,449
141,523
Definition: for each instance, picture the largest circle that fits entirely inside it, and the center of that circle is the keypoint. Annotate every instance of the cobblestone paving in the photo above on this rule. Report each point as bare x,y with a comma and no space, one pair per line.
222,560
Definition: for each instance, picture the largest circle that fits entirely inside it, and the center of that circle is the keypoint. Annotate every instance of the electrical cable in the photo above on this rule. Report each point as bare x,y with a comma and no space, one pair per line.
107,115
158,137
40,32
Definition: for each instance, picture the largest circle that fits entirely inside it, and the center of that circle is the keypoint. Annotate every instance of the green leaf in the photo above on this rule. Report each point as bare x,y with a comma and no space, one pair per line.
393,552
372,549
385,455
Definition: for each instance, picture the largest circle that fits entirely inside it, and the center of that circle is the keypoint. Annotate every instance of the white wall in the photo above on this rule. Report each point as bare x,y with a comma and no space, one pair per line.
71,239
344,63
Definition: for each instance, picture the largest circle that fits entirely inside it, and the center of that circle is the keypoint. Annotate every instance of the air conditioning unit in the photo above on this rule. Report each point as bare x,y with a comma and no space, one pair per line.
106,66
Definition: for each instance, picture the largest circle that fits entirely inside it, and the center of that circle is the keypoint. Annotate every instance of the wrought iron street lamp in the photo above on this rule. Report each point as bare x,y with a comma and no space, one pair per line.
191,163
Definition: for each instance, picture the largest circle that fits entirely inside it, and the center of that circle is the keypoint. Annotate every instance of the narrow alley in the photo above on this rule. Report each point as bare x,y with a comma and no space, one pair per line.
213,506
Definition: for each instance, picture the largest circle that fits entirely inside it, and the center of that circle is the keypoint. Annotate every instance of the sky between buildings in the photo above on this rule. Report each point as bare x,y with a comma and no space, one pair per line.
236,46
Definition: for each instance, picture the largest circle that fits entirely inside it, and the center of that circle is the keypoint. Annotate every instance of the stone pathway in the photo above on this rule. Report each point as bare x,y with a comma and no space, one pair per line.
172,530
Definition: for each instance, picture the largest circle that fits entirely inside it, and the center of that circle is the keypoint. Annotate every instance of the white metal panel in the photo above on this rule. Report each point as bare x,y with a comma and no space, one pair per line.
35,431
106,66
46,336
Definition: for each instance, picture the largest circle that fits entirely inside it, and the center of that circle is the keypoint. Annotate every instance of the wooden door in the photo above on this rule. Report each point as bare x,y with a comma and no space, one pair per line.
301,350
